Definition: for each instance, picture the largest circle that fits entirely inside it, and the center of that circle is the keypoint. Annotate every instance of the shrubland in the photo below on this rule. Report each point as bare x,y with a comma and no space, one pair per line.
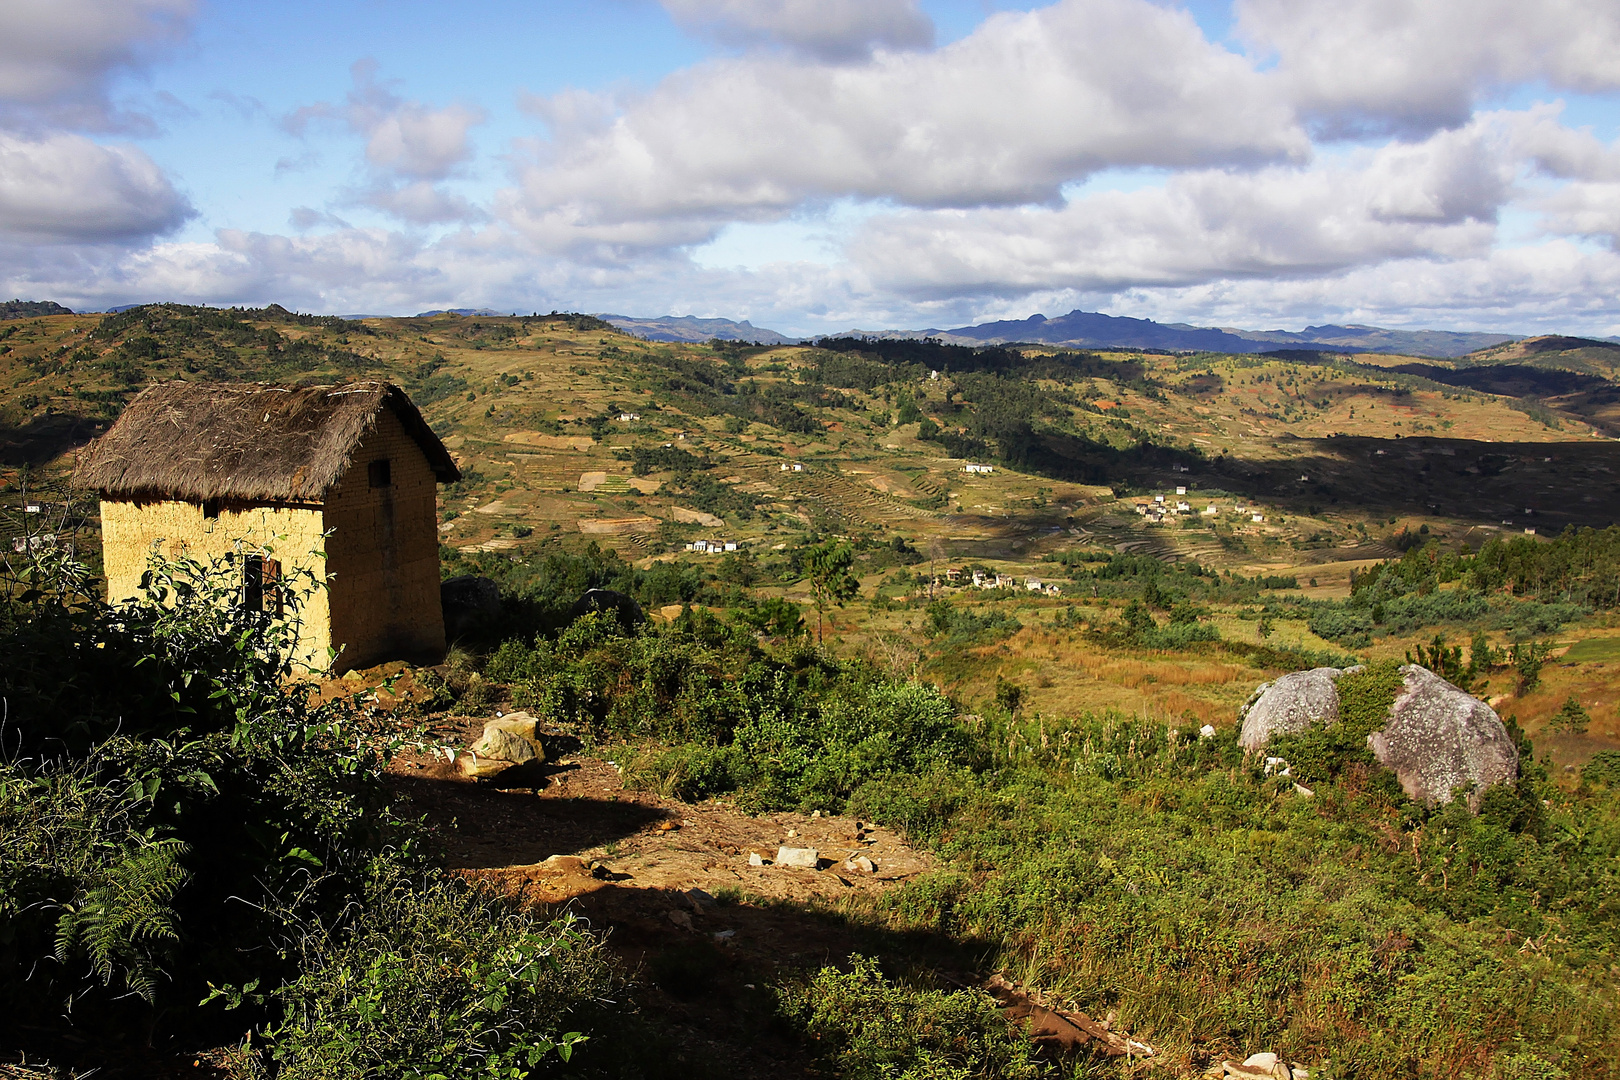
189,850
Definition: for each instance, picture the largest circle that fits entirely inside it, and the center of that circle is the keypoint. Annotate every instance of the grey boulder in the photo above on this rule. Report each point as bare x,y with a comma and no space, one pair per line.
1292,704
1439,739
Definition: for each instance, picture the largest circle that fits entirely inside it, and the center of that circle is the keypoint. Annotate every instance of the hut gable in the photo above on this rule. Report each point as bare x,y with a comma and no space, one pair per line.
247,442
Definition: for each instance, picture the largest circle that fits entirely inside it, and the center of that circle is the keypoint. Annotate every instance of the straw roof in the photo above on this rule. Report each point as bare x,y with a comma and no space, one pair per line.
246,441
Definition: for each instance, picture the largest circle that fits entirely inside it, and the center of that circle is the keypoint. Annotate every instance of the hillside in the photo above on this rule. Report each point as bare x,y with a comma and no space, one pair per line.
571,432
1020,762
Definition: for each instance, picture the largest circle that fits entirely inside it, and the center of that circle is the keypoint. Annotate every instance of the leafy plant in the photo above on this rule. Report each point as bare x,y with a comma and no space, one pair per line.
431,978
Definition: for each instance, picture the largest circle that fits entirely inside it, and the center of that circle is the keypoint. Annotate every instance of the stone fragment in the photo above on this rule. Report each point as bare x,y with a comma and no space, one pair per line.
700,900
511,738
1207,731
681,919
804,858
480,768
860,864
756,859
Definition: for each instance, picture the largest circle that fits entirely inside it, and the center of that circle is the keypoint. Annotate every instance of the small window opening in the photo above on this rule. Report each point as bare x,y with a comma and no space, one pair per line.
380,473
211,508
261,585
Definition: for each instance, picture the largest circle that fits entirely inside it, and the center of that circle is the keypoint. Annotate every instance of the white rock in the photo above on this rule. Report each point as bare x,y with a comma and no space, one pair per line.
801,857
1206,732
755,859
860,864
1266,1061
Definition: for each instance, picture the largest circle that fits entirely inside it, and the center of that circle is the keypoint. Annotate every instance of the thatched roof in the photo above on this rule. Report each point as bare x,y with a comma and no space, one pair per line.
246,441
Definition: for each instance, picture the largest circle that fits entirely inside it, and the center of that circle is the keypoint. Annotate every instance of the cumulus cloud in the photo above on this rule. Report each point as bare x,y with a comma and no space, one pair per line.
830,29
65,188
410,146
1410,66
1006,116
56,57
1438,198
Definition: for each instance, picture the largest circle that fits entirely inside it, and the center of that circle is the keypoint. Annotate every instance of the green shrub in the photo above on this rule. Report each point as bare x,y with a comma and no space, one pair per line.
431,978
171,804
1322,753
867,1027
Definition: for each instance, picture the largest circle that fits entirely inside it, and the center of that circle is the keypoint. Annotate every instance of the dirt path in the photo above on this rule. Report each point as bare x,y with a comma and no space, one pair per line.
672,886
578,806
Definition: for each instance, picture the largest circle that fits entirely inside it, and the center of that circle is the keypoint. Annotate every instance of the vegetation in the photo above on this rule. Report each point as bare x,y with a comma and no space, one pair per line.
178,827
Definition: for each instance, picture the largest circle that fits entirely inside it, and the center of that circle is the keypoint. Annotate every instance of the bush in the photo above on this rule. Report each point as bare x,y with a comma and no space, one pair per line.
869,1028
432,978
169,805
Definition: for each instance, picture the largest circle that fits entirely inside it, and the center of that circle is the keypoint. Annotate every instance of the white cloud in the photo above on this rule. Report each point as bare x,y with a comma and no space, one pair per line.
1413,65
410,147
56,56
1439,198
65,188
1551,286
1006,116
831,29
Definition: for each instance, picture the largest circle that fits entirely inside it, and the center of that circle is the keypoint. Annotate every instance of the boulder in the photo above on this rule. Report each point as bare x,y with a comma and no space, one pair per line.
1440,738
468,602
1292,704
511,738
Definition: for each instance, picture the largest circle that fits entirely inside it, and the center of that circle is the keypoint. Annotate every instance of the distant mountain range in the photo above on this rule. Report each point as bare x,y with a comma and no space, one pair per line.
689,328
1092,330
1087,329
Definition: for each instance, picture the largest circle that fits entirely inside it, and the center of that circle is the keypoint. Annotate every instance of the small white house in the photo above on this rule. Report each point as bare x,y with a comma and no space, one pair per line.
1257,518
1183,507
983,470
628,417
978,579
1033,584
1142,508
1006,581
1211,510
731,545
1181,491
1159,499
1052,589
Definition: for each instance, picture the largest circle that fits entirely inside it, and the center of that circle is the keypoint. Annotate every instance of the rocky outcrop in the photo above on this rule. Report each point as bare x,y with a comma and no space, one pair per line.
1292,704
1439,739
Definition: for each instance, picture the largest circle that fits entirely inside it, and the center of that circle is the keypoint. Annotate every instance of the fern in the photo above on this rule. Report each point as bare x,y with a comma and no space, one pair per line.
119,922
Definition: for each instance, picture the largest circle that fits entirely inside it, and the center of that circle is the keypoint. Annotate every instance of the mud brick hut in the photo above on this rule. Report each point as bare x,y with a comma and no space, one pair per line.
339,481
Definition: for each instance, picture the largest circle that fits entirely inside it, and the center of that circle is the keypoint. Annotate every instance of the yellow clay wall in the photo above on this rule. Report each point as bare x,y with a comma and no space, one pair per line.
132,531
383,555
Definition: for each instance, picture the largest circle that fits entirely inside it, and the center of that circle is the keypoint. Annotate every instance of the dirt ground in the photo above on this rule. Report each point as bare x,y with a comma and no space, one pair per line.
671,885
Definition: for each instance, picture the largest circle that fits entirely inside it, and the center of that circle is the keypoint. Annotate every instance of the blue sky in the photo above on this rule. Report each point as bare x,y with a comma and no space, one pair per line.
816,165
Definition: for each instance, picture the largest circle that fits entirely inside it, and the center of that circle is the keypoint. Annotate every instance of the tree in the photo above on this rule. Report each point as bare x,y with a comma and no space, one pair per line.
831,581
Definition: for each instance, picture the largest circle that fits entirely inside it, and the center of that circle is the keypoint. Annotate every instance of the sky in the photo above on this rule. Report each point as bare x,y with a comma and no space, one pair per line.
821,165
